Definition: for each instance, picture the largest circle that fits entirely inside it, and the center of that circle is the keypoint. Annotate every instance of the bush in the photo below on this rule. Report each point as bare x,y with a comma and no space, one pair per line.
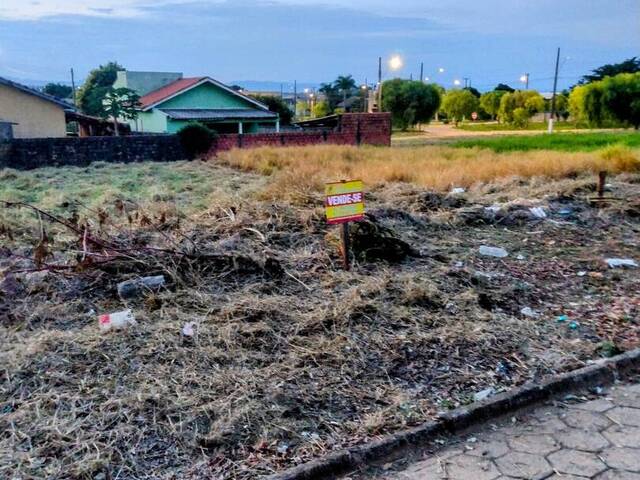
196,139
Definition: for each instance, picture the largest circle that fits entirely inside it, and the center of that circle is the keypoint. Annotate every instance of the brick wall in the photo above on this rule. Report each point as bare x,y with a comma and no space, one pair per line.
31,153
352,129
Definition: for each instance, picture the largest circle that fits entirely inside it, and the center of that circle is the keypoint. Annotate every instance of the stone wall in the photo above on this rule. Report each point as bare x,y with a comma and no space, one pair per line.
81,151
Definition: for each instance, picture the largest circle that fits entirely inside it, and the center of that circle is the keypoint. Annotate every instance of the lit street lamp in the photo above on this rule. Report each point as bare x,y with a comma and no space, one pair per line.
457,82
525,79
441,70
395,63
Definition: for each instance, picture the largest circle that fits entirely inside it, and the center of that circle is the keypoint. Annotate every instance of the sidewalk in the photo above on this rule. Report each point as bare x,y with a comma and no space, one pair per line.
598,439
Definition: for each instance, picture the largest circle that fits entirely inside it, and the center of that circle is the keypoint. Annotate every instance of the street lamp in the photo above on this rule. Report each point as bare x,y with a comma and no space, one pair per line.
395,63
441,70
525,79
457,82
426,79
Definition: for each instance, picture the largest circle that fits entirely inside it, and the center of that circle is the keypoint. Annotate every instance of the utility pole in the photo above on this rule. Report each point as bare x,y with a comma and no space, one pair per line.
527,82
379,84
466,82
73,89
422,72
295,98
553,97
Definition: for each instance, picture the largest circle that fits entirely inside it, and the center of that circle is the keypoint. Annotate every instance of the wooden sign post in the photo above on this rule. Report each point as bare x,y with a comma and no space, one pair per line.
344,203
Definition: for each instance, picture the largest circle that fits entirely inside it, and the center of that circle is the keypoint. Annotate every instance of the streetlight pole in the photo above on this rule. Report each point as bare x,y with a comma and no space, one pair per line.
379,84
555,87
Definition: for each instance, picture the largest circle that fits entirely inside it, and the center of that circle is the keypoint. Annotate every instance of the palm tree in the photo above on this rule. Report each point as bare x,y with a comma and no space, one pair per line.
345,84
330,91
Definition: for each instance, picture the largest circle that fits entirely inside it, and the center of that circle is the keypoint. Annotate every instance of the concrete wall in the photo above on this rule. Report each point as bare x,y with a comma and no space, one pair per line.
35,117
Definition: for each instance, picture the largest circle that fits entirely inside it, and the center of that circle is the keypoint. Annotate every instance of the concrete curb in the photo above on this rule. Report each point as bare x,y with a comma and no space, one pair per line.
602,372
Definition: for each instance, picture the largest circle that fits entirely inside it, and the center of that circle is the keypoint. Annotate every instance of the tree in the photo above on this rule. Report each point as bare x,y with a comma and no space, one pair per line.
58,90
632,65
528,100
321,109
459,104
120,103
277,105
612,100
302,108
490,102
622,98
98,84
331,93
576,104
410,102
473,90
345,84
520,117
501,87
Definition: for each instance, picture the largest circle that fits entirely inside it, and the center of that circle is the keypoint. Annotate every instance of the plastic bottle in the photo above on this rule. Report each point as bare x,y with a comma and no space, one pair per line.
116,321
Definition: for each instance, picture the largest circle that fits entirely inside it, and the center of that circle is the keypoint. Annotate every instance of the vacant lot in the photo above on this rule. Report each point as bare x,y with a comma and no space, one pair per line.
292,357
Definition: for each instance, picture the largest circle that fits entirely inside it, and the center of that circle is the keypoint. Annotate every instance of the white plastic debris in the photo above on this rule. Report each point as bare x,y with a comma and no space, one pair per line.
493,251
621,262
483,394
188,329
529,312
116,320
538,212
457,190
493,208
581,273
520,257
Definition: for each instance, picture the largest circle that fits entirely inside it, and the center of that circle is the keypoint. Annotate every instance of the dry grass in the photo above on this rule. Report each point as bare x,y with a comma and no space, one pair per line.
287,365
298,173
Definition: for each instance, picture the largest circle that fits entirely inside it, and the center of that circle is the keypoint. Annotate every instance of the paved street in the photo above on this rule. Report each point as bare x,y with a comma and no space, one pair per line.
598,439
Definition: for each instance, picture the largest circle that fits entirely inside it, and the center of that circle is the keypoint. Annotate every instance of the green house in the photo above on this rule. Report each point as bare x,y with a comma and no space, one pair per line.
169,102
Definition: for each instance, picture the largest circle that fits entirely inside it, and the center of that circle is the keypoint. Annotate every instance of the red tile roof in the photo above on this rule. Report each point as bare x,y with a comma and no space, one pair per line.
167,91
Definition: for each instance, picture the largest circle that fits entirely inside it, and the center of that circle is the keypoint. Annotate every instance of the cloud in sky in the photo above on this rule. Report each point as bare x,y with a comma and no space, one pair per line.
314,40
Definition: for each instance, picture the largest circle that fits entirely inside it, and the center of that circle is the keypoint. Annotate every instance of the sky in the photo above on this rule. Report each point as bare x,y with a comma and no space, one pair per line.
312,41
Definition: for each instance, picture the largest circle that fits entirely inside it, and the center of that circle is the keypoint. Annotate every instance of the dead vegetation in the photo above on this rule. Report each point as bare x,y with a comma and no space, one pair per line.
299,173
292,357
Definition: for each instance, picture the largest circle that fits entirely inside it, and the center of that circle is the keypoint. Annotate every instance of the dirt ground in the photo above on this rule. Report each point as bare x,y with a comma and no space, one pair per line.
292,357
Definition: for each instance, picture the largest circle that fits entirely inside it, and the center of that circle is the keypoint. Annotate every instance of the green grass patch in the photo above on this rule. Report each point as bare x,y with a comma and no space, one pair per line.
502,127
568,142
